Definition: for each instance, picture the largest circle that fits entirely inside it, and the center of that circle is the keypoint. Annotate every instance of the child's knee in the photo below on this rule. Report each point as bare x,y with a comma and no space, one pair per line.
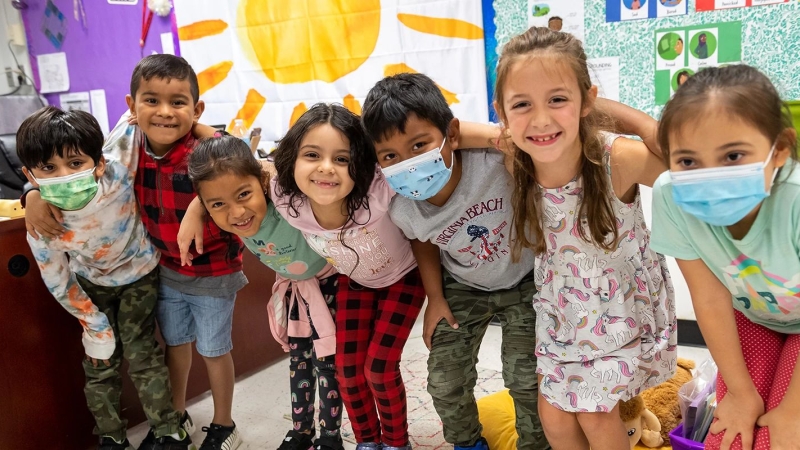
599,422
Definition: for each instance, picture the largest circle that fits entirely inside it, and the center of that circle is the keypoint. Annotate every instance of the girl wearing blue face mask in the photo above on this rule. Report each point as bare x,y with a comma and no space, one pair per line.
728,211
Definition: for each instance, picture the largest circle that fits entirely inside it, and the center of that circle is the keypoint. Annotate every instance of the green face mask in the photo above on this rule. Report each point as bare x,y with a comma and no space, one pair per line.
71,192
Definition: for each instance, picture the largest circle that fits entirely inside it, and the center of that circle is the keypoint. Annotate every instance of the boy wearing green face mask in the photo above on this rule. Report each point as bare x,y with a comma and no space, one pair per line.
103,270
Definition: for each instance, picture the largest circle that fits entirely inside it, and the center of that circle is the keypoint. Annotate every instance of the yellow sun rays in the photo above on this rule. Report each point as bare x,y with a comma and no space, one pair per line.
292,44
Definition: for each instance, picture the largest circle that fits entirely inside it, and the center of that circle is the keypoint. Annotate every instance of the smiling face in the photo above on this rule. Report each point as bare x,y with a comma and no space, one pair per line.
321,170
71,163
237,204
165,111
542,109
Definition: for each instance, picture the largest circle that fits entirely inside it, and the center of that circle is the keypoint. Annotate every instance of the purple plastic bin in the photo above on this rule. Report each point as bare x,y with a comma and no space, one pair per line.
681,443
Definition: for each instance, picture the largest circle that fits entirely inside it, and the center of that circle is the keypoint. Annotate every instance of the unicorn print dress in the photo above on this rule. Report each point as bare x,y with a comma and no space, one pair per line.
605,325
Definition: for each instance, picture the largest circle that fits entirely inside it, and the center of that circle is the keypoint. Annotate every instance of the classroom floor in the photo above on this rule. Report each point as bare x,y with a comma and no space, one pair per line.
261,399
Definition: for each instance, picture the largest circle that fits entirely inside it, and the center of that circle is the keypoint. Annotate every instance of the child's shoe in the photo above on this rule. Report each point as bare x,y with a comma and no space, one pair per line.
150,440
480,445
296,440
108,443
187,423
219,437
328,443
170,443
369,446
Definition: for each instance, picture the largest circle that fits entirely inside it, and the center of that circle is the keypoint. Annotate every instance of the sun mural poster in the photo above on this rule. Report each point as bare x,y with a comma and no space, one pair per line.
711,5
268,61
681,52
619,10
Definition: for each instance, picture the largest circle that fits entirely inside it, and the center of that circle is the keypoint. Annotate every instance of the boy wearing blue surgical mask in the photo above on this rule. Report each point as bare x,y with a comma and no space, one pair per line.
728,211
102,270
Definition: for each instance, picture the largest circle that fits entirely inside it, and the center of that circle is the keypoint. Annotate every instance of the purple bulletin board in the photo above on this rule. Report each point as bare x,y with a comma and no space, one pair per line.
100,56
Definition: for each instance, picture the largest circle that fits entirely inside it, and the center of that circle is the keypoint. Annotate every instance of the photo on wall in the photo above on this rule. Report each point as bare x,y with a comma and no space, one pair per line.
711,5
558,15
620,10
682,52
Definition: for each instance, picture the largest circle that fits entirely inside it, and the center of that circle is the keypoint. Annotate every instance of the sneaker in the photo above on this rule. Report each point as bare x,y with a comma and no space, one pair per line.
328,443
369,446
150,440
170,443
480,445
221,438
108,443
296,440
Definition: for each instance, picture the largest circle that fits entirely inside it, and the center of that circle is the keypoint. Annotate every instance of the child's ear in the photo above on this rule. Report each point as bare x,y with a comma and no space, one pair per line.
100,167
786,143
454,133
499,111
199,107
131,104
591,98
29,176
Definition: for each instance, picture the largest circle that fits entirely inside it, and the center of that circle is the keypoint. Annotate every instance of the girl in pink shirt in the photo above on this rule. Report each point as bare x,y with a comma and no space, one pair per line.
330,187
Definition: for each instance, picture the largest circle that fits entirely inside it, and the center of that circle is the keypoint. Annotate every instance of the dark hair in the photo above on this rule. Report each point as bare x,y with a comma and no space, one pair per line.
554,18
217,156
166,67
597,204
738,90
392,99
51,131
362,155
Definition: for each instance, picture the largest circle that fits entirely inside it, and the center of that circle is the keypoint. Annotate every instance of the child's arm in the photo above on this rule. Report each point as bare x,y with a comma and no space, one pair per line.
201,131
631,164
782,420
430,268
631,121
742,406
42,218
98,336
478,135
191,230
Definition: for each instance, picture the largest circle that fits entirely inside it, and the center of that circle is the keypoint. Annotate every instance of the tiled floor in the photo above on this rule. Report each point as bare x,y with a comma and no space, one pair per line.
261,399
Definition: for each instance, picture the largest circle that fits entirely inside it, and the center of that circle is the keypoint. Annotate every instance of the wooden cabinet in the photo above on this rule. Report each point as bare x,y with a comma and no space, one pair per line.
41,379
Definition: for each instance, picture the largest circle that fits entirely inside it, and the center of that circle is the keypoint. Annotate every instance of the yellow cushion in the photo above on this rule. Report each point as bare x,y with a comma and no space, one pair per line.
496,413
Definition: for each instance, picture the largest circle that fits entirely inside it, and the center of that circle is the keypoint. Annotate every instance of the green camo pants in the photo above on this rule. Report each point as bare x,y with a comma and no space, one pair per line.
131,311
451,364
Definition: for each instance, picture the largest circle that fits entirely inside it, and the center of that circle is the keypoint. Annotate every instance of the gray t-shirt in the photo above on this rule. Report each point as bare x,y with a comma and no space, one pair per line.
473,229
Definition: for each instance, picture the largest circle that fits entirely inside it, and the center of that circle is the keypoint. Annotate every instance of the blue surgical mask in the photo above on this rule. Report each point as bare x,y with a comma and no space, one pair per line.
721,196
420,177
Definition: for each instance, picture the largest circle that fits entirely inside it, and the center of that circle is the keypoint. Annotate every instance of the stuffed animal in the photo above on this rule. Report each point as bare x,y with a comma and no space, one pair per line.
642,425
662,400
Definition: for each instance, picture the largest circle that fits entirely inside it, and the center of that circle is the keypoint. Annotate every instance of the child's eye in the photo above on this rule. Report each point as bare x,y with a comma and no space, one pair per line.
342,160
685,163
558,100
217,205
179,103
520,105
76,164
312,155
46,168
244,194
389,156
151,101
418,146
734,157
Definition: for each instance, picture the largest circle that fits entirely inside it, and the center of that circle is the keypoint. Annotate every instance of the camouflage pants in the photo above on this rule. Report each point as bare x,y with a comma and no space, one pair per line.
131,311
454,354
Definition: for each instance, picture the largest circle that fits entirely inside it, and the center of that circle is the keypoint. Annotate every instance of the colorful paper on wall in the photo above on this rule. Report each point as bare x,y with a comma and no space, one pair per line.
54,24
266,62
711,5
570,12
619,10
681,52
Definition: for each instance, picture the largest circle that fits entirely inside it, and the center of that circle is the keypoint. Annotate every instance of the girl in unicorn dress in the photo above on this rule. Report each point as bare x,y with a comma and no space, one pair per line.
605,324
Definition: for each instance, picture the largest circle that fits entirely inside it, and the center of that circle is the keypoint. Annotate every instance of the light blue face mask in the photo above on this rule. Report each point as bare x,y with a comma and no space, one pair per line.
721,196
420,177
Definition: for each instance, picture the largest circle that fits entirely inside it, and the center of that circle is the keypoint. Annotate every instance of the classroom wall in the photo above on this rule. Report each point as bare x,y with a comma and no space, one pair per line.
771,42
11,17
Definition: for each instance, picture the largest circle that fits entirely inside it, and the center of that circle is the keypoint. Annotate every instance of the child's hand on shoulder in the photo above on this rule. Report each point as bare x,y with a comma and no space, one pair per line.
95,362
437,310
191,230
42,218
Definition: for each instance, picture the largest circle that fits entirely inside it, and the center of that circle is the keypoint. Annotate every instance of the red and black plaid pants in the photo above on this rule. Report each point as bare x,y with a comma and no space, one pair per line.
372,327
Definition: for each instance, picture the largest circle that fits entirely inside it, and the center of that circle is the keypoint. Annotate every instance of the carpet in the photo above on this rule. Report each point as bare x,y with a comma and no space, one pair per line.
424,426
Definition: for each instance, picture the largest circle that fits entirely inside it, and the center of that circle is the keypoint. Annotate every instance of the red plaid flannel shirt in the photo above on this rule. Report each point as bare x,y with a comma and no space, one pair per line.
164,191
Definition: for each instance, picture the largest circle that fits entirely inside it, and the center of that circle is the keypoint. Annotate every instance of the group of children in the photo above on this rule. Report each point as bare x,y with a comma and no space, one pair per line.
538,223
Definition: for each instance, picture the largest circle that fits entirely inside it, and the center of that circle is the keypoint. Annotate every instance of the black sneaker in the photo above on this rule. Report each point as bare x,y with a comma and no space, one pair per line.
149,441
295,440
170,443
187,423
108,443
219,437
328,443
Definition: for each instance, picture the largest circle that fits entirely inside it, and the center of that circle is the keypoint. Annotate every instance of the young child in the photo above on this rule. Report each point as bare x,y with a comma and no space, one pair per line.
605,314
459,204
328,187
103,269
195,302
728,212
232,187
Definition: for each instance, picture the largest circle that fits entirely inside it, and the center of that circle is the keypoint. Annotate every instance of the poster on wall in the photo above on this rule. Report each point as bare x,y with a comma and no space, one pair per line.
558,15
605,75
681,52
346,47
711,5
619,10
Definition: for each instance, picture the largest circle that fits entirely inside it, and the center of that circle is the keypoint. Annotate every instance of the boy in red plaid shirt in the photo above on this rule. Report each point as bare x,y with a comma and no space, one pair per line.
195,301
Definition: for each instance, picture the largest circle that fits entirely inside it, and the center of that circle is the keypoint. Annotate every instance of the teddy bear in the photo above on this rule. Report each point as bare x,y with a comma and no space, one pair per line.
642,425
662,400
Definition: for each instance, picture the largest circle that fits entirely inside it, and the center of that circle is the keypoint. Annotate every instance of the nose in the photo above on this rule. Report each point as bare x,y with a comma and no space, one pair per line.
540,118
238,211
325,165
165,110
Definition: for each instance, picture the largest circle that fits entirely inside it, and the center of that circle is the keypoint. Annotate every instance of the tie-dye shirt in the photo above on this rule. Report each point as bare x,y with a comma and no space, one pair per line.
105,243
762,270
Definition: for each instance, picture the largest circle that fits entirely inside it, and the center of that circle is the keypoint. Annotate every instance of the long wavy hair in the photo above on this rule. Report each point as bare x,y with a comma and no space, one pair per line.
597,202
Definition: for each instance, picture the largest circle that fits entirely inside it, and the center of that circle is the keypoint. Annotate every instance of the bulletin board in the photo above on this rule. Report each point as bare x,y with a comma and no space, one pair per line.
769,34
